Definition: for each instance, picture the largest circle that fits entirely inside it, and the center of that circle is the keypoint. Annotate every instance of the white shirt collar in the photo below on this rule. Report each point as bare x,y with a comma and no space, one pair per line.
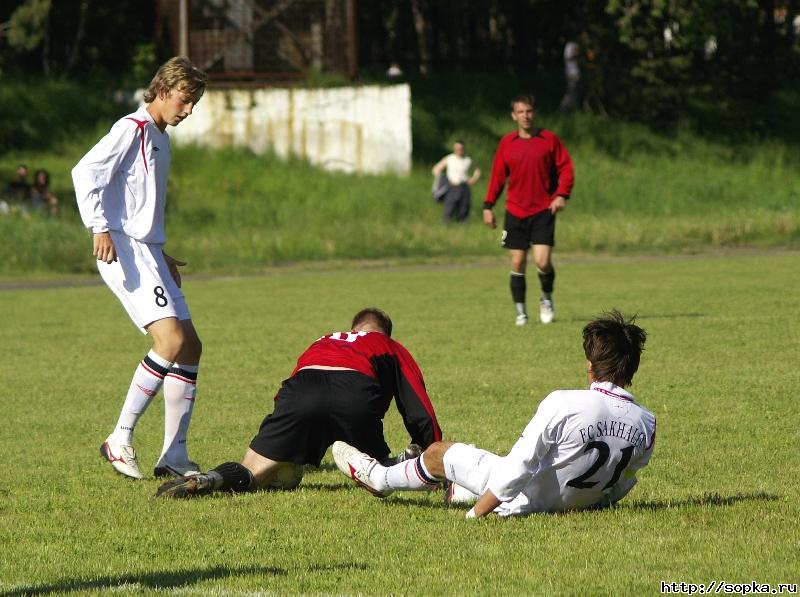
612,390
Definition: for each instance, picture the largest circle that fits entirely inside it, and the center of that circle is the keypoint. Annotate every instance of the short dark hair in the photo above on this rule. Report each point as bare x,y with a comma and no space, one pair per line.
613,346
376,316
524,98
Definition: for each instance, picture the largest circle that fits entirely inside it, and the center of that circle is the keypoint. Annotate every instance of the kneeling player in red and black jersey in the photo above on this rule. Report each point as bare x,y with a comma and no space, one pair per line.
340,389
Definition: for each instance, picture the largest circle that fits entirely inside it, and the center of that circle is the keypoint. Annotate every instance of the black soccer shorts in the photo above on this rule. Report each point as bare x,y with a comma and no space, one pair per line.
521,233
317,407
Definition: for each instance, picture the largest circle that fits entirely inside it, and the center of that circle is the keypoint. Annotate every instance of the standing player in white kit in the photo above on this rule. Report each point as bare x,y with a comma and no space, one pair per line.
581,449
121,187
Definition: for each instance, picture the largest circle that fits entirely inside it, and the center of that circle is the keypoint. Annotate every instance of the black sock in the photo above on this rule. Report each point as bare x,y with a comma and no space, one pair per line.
546,280
518,287
235,477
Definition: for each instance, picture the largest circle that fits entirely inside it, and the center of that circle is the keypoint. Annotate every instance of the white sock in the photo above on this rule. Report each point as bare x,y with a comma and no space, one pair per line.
520,308
410,474
180,387
147,380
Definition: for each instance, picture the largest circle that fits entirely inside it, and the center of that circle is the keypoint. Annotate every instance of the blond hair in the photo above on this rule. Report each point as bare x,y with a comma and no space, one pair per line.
177,73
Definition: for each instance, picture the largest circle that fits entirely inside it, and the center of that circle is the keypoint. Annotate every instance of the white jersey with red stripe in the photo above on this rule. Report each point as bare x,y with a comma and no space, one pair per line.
121,183
582,448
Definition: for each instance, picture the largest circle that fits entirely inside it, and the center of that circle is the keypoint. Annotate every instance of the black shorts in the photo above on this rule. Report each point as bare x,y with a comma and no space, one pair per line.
521,233
316,407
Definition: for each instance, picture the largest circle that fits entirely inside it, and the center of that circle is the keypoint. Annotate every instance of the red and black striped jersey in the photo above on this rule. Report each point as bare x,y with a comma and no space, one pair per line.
378,356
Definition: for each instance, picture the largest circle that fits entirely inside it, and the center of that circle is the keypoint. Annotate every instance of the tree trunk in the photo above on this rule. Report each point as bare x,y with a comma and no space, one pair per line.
75,53
767,44
391,23
46,47
419,8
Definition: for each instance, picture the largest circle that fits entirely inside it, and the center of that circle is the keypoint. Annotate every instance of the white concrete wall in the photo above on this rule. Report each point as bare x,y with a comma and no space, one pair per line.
352,129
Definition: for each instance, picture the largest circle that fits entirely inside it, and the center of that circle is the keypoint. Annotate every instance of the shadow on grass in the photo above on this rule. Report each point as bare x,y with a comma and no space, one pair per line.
326,486
171,580
424,502
323,467
706,499
639,316
672,315
152,580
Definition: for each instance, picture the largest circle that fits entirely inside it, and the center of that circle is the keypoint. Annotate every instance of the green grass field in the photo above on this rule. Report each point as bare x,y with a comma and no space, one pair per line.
718,502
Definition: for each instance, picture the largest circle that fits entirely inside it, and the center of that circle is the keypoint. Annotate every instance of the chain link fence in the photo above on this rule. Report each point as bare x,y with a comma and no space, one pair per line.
262,40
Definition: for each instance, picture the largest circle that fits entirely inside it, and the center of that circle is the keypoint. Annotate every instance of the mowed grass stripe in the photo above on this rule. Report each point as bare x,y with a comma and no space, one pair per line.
719,500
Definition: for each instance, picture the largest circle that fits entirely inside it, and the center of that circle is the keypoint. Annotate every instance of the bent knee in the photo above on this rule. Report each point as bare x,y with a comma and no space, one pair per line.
518,265
169,347
433,457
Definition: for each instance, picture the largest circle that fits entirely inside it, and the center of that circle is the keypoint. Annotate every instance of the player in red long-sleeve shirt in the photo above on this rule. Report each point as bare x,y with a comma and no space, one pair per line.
340,389
540,176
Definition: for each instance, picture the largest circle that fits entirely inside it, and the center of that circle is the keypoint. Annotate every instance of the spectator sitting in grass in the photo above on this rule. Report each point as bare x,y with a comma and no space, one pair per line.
42,198
17,192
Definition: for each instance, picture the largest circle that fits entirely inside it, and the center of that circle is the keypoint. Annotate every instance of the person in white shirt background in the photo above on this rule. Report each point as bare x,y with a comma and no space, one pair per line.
456,166
120,186
572,77
580,450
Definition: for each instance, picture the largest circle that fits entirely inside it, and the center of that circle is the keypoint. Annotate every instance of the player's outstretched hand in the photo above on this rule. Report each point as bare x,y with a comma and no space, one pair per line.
173,265
488,218
103,247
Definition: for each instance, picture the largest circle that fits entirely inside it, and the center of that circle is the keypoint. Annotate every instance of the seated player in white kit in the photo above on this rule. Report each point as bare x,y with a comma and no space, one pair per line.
121,186
581,449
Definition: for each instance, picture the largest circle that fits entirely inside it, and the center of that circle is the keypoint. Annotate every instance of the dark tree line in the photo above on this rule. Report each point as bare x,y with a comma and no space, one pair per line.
644,58
74,38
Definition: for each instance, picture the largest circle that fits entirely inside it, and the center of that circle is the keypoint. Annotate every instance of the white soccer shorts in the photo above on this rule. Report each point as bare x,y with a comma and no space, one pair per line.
141,280
469,466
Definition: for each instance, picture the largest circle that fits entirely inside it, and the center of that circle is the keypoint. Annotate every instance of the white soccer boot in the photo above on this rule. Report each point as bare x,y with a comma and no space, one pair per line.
183,467
357,466
122,458
547,311
522,319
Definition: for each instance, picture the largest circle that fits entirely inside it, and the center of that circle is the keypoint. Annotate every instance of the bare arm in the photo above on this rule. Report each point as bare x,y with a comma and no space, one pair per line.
475,176
485,504
440,166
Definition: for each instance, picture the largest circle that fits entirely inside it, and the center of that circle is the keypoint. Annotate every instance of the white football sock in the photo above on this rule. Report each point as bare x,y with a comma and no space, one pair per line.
410,474
180,387
147,380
